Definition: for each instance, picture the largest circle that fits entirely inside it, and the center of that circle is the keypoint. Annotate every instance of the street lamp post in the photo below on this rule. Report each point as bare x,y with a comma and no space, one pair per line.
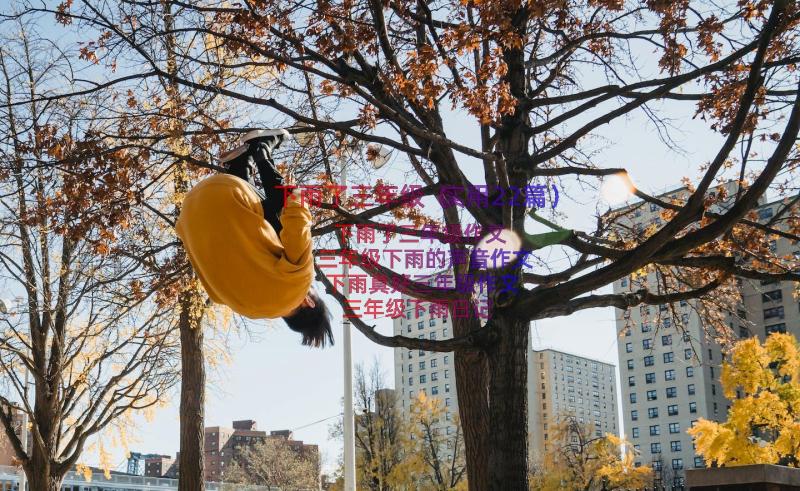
380,157
349,417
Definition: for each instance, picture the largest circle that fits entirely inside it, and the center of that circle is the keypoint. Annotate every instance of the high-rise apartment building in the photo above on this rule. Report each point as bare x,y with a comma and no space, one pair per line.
562,384
418,371
160,466
433,374
669,366
222,445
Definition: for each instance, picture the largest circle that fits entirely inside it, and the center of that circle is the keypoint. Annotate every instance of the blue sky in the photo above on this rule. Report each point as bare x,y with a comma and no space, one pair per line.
282,385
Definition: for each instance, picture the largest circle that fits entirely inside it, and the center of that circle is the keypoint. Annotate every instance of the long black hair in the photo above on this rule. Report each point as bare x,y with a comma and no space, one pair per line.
314,323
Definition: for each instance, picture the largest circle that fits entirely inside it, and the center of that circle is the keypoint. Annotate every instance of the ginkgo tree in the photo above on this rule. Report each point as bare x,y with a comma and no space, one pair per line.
577,459
535,82
763,424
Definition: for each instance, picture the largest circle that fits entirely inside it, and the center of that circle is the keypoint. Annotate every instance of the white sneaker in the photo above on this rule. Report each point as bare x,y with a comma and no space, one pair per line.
253,134
232,154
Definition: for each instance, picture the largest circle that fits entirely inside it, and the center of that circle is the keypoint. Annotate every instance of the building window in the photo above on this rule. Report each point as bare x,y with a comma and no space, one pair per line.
648,361
666,340
633,398
634,415
447,402
630,364
446,388
650,378
446,359
690,372
623,282
433,363
773,296
675,446
687,353
669,357
410,367
692,407
690,389
698,463
674,428
410,380
651,395
774,313
434,390
421,325
669,374
672,410
655,430
655,447
434,376
775,328
433,335
672,392
647,343
684,321
432,323
421,365
652,412
629,347
677,464
447,374
423,379
646,327
635,433
631,381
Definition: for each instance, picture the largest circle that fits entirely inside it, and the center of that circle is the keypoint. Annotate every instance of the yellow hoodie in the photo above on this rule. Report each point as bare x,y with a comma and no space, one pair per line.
236,253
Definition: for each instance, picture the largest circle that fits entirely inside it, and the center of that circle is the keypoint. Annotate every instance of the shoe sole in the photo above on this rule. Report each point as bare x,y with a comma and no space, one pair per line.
232,154
253,134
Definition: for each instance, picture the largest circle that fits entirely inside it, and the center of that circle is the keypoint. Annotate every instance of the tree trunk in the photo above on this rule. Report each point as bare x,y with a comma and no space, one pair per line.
44,482
508,438
193,383
471,372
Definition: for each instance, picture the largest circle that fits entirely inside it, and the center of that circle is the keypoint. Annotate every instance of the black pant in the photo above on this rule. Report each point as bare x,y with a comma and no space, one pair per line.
272,196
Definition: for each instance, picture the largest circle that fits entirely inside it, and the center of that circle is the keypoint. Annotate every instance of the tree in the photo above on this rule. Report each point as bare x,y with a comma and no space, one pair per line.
380,434
536,81
434,460
402,451
87,329
274,462
588,462
763,383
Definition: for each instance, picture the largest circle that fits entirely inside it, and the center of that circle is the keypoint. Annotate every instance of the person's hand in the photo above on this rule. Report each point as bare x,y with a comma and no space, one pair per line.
296,197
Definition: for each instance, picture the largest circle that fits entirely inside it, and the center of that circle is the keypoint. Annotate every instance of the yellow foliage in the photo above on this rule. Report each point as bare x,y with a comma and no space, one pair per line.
582,461
762,426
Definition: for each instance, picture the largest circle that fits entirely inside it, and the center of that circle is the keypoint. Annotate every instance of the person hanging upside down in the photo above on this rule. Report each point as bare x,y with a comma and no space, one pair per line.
252,251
